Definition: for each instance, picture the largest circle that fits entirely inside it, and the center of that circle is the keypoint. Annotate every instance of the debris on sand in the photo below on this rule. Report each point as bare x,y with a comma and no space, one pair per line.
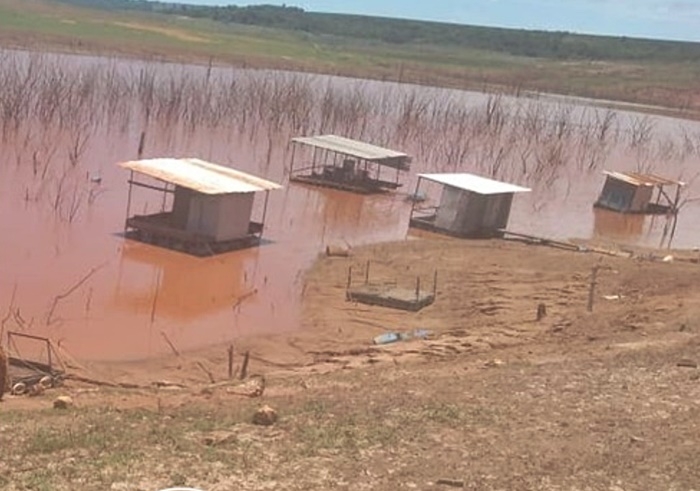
265,416
337,251
687,363
393,337
494,363
451,482
63,402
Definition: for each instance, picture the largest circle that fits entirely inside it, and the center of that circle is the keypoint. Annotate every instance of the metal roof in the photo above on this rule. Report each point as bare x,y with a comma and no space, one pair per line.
200,176
357,149
637,179
475,184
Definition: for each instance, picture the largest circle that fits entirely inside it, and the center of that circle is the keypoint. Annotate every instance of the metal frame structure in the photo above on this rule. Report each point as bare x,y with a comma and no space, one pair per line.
359,169
27,371
200,177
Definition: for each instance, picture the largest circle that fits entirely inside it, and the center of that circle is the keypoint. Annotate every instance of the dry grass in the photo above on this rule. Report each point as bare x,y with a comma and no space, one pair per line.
593,422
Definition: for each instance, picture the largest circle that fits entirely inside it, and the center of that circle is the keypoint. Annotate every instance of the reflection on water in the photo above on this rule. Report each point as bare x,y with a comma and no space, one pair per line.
627,226
179,287
57,226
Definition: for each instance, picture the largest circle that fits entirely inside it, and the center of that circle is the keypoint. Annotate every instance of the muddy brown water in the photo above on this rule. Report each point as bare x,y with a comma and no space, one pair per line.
136,294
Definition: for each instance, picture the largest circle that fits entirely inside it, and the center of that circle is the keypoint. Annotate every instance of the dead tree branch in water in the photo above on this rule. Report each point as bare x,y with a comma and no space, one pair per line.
72,289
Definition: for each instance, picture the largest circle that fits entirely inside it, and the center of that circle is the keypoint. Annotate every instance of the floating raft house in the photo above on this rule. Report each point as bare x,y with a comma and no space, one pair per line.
469,206
630,192
211,207
349,165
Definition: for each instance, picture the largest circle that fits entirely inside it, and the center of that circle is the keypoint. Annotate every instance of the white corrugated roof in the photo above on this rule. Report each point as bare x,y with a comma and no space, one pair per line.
354,148
476,184
200,175
638,179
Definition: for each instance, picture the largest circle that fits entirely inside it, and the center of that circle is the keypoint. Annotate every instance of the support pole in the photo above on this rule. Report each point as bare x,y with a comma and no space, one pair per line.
677,199
244,367
675,215
591,289
128,199
349,284
417,288
291,163
367,272
415,197
264,215
48,352
435,284
230,361
165,195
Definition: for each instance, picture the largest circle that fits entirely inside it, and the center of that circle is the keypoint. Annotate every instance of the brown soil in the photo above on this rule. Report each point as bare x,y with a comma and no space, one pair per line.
493,400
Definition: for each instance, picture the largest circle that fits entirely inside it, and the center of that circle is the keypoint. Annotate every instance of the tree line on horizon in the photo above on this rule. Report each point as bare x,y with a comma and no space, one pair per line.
557,45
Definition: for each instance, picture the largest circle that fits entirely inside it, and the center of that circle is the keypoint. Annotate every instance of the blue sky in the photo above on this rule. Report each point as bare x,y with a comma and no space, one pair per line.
661,19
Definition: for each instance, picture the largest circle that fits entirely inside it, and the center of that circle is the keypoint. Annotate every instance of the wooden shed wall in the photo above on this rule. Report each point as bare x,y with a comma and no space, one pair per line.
466,213
181,207
234,215
497,211
221,216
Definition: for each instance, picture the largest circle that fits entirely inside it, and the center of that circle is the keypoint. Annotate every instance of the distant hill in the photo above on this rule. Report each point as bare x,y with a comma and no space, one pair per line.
516,42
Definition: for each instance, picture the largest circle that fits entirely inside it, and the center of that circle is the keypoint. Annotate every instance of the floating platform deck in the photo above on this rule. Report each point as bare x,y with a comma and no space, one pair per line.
364,186
158,229
391,297
428,223
650,209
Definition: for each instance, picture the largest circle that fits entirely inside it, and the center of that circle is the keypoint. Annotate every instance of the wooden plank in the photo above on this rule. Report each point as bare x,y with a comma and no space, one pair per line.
541,240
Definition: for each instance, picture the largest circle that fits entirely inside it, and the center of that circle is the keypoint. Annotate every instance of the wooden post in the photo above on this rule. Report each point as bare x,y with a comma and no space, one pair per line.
244,367
435,284
367,272
48,352
541,312
291,160
349,278
264,213
230,361
591,290
155,297
675,215
414,199
417,287
128,199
